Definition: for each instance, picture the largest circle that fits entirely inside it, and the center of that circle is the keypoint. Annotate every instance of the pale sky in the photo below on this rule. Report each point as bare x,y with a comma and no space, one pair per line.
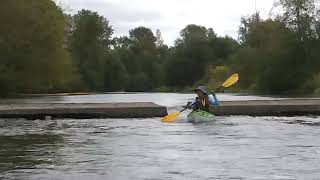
171,16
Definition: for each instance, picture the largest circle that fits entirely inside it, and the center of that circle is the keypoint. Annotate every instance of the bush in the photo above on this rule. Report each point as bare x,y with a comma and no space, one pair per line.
217,75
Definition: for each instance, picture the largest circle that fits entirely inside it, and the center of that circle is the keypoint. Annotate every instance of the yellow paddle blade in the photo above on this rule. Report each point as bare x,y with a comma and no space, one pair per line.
231,81
171,117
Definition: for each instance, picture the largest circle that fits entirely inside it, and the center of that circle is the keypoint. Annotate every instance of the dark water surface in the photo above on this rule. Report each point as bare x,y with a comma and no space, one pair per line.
236,147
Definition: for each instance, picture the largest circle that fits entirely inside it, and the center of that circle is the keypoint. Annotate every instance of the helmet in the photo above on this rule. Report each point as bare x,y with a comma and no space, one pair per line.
203,89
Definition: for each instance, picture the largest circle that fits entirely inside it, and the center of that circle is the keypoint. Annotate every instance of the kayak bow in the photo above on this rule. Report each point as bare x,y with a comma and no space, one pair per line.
200,116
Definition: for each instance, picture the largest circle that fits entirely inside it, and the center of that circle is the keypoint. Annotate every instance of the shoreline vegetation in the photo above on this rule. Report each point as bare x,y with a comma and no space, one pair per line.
45,50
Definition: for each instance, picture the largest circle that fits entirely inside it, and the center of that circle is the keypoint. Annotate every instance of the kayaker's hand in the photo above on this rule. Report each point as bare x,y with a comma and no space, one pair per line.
188,105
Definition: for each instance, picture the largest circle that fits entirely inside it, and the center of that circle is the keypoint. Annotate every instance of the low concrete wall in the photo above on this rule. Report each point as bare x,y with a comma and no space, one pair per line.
83,111
285,107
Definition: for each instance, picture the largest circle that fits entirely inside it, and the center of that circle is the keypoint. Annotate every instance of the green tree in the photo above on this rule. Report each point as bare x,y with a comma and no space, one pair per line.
116,76
142,39
300,15
142,59
159,40
90,42
246,61
223,47
31,46
273,58
193,53
217,75
246,25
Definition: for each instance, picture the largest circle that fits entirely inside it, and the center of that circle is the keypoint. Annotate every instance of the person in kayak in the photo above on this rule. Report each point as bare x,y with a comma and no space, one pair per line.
203,101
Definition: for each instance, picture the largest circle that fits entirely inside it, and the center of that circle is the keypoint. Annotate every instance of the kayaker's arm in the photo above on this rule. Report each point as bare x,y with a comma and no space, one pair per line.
214,101
192,104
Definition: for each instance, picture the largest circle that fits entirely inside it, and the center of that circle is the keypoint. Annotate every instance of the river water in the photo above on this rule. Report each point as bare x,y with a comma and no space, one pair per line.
235,147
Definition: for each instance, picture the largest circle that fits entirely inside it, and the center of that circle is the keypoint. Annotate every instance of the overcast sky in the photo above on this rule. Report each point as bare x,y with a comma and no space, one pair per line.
170,16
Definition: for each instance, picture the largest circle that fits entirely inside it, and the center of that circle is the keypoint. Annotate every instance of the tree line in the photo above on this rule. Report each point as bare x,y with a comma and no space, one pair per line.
45,50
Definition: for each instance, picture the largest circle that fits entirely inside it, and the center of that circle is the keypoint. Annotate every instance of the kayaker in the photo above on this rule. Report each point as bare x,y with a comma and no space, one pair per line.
203,101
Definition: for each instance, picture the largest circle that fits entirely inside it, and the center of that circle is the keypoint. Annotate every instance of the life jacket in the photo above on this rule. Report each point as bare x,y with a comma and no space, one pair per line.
203,104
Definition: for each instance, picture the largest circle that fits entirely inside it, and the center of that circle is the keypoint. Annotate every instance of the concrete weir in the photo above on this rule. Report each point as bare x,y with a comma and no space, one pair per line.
82,111
283,107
